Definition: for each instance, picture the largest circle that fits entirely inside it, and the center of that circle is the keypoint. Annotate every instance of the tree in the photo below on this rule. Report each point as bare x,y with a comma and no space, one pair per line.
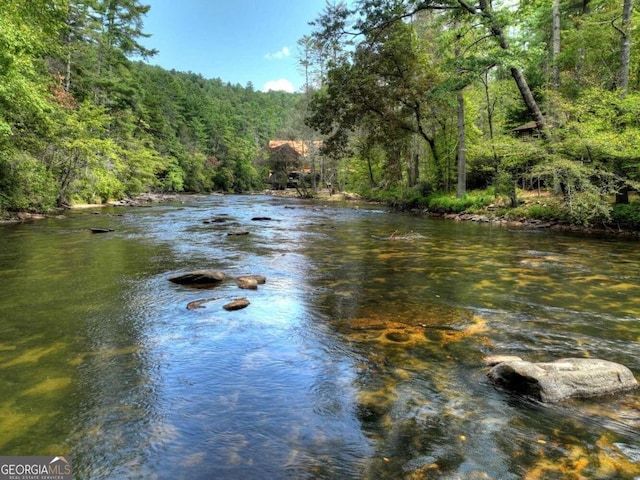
28,31
84,161
120,27
386,12
625,47
496,27
389,83
556,44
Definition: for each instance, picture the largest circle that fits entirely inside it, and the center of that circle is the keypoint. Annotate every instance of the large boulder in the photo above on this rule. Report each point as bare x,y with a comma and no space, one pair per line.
561,379
199,278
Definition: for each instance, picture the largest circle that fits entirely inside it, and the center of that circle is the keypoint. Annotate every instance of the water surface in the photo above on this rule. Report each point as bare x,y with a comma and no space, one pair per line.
361,356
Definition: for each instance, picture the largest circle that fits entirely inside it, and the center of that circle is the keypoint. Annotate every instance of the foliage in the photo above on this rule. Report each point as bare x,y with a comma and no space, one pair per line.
25,184
80,121
472,202
578,131
547,211
626,216
391,87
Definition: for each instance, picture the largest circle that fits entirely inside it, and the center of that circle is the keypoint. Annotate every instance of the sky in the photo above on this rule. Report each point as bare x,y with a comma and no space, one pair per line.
238,41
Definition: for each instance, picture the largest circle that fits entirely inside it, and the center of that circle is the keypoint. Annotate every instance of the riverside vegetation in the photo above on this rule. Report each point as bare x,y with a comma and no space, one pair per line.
441,105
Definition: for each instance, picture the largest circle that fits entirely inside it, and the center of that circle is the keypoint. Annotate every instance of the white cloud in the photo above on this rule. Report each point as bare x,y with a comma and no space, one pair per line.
285,52
279,85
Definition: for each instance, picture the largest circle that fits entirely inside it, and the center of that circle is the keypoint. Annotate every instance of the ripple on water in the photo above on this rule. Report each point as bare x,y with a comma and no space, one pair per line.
359,358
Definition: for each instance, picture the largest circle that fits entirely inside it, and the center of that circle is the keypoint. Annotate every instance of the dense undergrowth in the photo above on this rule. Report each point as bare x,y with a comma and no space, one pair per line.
531,206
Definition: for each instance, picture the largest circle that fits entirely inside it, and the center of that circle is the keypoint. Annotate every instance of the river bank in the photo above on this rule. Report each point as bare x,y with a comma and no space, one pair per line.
556,225
489,215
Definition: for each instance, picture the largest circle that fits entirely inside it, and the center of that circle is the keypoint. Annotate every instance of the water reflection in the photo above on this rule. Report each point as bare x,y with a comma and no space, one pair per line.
361,357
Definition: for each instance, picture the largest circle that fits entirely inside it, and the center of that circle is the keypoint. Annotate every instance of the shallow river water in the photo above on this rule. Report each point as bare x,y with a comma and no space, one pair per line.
360,357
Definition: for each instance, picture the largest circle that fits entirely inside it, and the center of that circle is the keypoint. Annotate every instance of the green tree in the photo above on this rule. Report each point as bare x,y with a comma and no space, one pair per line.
27,34
82,158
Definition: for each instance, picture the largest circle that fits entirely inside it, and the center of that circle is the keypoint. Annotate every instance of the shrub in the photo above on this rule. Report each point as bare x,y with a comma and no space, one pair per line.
547,212
626,215
25,184
474,201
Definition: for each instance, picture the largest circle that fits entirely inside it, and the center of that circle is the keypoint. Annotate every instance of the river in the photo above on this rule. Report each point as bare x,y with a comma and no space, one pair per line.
360,357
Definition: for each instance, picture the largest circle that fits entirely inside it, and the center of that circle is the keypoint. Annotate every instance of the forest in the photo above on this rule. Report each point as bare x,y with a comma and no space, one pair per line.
447,105
84,119
485,100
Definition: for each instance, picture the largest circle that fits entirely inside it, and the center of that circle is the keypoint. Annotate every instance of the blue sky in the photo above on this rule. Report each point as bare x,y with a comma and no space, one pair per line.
237,41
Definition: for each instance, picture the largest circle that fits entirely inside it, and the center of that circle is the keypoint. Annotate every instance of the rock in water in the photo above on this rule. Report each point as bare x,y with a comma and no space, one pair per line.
199,303
199,278
237,304
247,283
258,279
562,379
492,360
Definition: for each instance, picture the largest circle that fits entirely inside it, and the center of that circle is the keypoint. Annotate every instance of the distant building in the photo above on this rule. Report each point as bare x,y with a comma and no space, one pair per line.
289,160
303,149
527,131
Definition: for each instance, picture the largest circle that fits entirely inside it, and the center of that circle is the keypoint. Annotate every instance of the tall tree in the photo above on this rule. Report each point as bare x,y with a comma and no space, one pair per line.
625,47
28,35
556,44
495,24
388,83
462,135
121,27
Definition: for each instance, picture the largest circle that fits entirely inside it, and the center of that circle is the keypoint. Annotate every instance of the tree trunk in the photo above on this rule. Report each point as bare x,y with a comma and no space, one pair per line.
68,42
461,189
372,182
529,99
582,52
496,30
490,110
556,44
462,149
67,75
622,195
625,50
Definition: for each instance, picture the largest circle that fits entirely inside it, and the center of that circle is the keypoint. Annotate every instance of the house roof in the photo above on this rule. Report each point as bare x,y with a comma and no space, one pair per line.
526,126
300,147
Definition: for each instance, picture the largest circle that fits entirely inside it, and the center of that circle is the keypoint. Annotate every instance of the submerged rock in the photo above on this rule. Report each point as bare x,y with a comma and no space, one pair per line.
220,219
199,278
398,337
199,303
562,379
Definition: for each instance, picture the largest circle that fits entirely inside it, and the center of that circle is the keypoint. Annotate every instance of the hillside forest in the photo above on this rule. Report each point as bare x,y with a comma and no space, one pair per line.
84,117
445,104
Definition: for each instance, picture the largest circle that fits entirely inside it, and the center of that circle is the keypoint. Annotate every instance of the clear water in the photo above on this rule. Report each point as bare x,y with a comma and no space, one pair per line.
361,356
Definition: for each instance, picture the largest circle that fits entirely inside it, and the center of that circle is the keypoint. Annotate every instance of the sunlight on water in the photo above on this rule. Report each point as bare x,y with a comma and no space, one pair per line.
360,357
